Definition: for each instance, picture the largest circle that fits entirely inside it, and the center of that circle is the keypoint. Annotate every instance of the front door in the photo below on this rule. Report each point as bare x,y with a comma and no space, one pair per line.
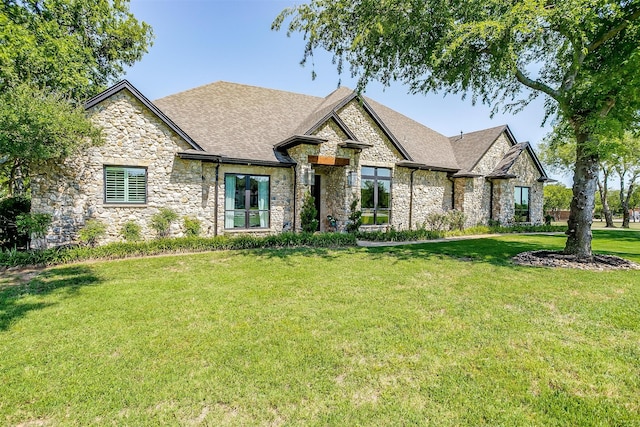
315,192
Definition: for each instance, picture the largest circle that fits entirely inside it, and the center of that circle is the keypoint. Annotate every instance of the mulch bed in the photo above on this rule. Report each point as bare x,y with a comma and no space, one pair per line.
560,260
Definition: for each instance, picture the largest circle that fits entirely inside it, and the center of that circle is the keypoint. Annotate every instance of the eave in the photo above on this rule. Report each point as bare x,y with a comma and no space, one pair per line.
296,140
422,166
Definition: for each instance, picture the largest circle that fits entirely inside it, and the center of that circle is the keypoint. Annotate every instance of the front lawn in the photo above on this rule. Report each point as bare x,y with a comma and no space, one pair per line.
438,333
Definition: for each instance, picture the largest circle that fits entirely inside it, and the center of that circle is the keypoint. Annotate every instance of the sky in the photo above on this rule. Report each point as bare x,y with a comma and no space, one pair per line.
202,41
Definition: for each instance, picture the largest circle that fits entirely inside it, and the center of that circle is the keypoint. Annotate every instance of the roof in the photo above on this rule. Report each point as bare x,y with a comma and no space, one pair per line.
502,170
470,147
238,123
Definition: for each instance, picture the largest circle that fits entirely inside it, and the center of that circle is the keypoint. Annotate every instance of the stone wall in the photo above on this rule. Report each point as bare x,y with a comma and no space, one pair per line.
73,191
527,176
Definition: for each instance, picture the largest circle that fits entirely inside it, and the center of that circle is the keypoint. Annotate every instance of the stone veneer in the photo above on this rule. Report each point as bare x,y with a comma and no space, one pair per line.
473,195
72,192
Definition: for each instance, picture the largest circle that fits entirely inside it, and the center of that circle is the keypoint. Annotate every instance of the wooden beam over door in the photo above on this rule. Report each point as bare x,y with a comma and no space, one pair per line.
328,160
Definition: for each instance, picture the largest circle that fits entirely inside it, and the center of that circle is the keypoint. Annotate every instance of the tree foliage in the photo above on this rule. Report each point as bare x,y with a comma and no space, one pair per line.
582,55
557,197
53,55
75,47
37,126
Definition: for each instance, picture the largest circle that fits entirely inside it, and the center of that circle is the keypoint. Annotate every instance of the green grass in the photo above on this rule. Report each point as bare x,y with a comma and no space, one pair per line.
438,333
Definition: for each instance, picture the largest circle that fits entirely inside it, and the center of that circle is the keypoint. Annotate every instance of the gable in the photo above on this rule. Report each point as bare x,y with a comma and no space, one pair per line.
125,87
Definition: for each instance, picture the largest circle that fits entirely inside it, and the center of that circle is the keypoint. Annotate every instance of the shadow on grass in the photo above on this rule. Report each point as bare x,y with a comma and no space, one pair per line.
489,250
65,280
620,235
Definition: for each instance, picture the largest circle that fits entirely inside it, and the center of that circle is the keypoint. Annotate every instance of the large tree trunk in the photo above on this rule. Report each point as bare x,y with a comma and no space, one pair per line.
585,180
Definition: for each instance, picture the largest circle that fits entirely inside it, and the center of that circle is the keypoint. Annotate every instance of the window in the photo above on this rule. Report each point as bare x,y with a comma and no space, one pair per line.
375,195
521,212
246,201
125,185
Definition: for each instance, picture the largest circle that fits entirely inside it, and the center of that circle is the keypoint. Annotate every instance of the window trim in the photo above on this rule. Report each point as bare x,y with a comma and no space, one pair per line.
517,212
375,177
247,210
124,202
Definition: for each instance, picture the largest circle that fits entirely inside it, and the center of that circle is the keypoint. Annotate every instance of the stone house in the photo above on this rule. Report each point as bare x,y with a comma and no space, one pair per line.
240,159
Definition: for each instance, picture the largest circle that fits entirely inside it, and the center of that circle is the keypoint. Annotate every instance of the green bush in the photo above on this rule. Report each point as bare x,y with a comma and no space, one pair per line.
33,225
309,214
131,231
192,227
355,218
165,245
92,231
10,209
456,219
161,221
436,221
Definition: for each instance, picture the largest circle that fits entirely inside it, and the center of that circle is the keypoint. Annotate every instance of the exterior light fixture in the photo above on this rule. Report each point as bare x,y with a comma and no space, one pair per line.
351,179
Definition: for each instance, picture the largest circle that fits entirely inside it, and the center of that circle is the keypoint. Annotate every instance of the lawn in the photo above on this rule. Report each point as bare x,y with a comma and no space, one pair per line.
438,333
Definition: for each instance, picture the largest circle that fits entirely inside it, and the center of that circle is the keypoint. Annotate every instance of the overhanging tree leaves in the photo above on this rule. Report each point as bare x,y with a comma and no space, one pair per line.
54,54
36,126
582,55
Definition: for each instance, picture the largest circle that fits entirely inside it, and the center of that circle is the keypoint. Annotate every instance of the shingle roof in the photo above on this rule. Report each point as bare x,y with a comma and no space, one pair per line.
470,147
238,121
424,145
510,157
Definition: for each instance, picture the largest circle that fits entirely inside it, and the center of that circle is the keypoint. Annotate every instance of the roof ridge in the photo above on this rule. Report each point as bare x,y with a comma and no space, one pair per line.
239,85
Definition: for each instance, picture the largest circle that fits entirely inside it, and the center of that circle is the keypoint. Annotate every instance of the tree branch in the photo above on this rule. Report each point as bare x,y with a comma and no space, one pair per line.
613,32
536,85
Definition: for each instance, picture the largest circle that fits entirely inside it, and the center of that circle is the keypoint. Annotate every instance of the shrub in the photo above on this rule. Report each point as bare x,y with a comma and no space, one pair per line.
131,231
33,225
436,221
309,214
355,217
10,208
456,219
192,227
92,231
161,221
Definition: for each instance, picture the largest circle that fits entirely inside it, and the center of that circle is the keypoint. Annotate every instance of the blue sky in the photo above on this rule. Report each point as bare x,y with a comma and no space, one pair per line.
202,41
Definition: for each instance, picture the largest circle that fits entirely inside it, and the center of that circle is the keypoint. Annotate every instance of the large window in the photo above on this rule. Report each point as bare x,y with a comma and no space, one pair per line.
521,195
246,201
125,185
375,195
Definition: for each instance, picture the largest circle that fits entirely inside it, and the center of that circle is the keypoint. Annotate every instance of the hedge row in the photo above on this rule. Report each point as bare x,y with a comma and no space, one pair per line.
12,258
118,250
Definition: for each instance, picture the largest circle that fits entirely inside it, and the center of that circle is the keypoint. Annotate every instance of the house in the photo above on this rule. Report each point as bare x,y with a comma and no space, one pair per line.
241,158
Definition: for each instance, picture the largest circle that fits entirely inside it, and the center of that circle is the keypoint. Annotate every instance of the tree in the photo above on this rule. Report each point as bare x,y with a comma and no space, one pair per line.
558,152
74,47
627,166
53,55
582,55
557,197
309,214
36,126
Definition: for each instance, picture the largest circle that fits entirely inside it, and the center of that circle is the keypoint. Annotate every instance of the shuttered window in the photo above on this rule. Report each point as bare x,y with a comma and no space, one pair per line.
125,185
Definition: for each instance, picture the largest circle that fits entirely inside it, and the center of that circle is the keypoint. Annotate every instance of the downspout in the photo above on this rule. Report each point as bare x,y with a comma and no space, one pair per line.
453,192
295,190
215,203
490,200
411,200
